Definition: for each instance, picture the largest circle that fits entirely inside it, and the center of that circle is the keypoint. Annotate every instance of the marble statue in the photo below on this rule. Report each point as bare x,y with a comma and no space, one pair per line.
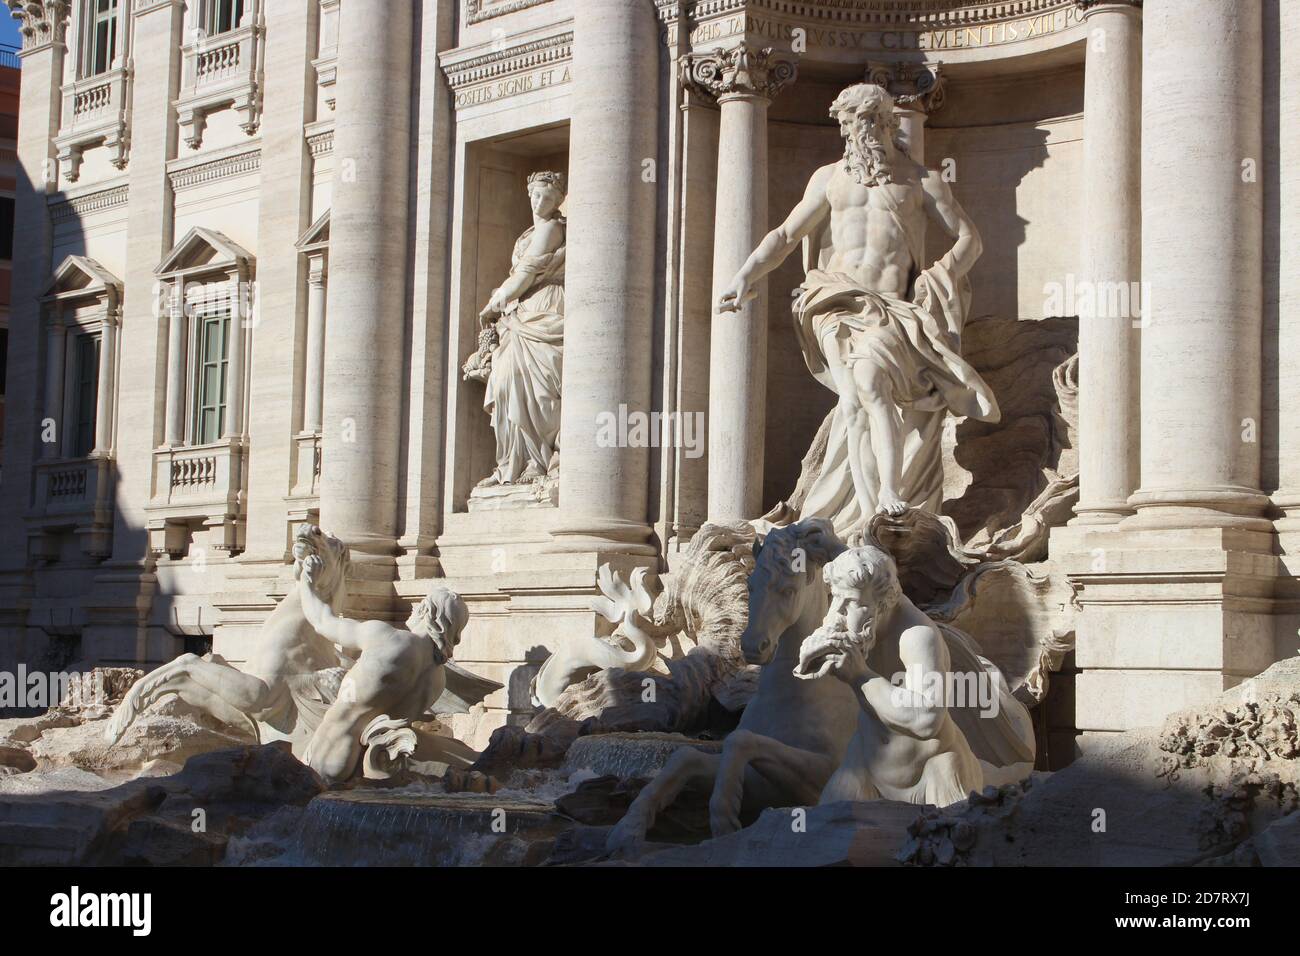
874,325
521,348
912,742
792,735
400,674
322,681
627,605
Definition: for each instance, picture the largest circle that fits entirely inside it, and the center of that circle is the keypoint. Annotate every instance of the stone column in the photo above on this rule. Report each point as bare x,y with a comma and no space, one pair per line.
56,338
1288,276
104,398
743,80
609,278
311,399
361,430
1111,263
1202,241
176,327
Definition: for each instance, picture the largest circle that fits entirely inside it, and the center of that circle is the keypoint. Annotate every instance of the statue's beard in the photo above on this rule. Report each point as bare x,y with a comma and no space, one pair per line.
867,161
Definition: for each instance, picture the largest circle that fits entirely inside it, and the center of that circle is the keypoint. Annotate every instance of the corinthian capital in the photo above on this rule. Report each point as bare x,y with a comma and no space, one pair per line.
739,71
41,21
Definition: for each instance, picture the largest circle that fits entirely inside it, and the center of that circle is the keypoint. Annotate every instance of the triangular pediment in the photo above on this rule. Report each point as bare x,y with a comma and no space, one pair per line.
317,234
81,276
202,249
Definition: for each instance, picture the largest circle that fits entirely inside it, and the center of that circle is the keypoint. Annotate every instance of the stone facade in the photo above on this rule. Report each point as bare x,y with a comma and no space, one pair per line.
272,226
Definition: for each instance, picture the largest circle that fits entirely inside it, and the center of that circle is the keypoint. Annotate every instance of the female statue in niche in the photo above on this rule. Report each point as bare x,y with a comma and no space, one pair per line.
521,363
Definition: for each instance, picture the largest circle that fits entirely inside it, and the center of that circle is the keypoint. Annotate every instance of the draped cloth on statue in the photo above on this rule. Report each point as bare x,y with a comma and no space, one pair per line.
523,388
917,346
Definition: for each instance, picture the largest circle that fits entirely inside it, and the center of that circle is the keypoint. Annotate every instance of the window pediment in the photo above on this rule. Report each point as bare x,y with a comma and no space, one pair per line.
206,251
80,277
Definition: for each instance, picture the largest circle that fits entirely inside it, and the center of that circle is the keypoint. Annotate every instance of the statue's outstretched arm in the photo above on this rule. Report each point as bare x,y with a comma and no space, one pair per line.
781,241
342,631
944,209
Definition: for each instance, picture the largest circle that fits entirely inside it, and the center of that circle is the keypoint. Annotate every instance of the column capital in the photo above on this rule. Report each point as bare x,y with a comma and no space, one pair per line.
41,23
1086,7
914,86
742,70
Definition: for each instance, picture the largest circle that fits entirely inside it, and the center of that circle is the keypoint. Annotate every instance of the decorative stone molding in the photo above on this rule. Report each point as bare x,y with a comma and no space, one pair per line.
739,71
1087,6
889,14
476,11
320,143
78,207
236,164
512,61
915,86
41,22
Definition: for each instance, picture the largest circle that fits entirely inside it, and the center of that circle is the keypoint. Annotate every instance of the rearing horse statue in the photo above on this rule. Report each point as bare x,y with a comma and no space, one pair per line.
794,732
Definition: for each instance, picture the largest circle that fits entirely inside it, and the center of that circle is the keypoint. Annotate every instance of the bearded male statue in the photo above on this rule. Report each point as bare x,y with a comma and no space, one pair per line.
874,325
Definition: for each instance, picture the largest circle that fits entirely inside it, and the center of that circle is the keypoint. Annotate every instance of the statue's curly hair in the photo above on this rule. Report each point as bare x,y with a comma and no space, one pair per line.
558,180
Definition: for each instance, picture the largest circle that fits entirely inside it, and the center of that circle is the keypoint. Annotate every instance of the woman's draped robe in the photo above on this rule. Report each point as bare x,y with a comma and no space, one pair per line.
917,344
523,388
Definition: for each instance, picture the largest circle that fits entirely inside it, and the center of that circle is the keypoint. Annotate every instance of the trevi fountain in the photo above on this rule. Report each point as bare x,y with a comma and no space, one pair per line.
654,433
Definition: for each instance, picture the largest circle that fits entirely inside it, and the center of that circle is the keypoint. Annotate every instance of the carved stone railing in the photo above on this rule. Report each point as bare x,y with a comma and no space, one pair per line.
222,72
96,112
197,488
216,64
73,496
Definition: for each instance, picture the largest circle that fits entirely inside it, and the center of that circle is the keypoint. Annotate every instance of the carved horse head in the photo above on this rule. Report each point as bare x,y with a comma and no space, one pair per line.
786,583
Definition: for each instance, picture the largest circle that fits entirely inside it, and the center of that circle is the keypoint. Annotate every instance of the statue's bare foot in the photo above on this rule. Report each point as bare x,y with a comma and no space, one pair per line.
531,473
890,504
491,481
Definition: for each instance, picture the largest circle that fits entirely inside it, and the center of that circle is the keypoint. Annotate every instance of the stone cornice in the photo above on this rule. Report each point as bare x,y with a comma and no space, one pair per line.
1086,7
41,23
235,164
741,70
886,14
515,59
477,11
320,143
78,207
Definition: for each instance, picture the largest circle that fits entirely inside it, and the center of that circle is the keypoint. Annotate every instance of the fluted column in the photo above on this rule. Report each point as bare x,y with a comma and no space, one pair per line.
311,413
743,80
609,276
56,337
361,428
1288,306
104,398
176,369
1202,243
1109,354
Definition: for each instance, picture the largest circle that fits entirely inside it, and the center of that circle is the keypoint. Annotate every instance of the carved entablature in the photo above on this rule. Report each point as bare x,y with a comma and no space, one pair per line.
1086,5
478,10
742,70
850,31
41,22
480,78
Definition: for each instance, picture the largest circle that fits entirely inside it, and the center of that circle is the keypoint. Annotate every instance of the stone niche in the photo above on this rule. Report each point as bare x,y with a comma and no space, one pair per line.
495,212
